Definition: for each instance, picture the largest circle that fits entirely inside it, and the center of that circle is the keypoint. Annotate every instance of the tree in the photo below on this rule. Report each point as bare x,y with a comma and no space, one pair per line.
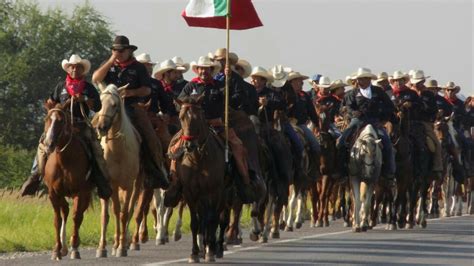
32,45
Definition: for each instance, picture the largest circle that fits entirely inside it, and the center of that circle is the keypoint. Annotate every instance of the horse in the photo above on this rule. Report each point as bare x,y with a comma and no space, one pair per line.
121,144
66,174
202,172
364,169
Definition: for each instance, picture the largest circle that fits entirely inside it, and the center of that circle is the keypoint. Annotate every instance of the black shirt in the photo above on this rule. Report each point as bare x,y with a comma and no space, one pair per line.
379,107
275,101
332,104
213,103
60,95
303,109
429,109
459,113
134,74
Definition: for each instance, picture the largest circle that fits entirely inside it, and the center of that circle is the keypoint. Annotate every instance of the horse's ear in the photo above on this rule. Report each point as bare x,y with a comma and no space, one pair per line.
48,104
378,141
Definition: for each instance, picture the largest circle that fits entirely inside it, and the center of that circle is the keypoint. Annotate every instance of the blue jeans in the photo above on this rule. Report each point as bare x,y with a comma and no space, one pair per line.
295,141
334,131
313,142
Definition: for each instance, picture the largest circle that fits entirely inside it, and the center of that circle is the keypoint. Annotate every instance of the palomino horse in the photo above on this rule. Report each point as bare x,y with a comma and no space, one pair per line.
121,145
66,174
364,169
202,172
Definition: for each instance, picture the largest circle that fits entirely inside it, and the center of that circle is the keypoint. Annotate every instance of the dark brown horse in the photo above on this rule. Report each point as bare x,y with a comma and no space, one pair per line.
202,172
66,174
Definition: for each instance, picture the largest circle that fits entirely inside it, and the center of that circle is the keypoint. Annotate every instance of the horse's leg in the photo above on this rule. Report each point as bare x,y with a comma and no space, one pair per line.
299,209
139,215
155,206
326,187
376,204
266,215
223,223
116,210
160,212
314,203
56,202
194,258
290,208
424,194
64,214
104,221
179,222
367,191
124,217
81,202
233,231
148,196
356,201
212,222
277,214
167,218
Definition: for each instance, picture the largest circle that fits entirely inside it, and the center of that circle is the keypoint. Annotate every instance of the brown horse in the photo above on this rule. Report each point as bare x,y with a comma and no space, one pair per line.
202,172
66,174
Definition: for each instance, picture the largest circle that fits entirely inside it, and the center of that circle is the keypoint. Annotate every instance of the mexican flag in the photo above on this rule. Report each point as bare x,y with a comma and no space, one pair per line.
212,14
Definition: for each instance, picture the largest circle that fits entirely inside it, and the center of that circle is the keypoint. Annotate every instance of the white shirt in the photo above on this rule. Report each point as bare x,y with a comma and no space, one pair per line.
367,92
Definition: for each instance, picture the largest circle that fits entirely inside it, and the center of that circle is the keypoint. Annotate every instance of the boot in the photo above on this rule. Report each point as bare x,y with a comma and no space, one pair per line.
155,178
245,191
174,193
31,185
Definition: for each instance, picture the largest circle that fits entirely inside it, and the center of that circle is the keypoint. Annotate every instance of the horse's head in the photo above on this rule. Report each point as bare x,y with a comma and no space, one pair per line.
111,107
367,152
191,117
56,126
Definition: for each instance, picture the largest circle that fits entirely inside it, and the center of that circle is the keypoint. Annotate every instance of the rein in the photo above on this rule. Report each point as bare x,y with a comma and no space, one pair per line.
72,123
117,134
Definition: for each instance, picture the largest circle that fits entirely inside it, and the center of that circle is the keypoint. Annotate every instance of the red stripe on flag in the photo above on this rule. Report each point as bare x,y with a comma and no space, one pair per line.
243,16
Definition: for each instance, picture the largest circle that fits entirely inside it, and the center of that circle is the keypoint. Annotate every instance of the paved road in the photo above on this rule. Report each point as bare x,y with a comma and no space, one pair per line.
446,241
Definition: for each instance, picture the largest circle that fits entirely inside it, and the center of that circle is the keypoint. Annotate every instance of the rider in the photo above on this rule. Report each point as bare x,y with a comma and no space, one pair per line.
182,68
85,94
368,104
330,102
122,69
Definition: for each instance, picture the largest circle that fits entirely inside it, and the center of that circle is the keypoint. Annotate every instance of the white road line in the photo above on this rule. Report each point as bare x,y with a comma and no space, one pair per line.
287,241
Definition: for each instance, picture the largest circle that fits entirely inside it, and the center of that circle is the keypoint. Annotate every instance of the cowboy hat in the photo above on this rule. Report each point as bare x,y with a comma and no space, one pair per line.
381,76
450,85
245,65
261,72
324,82
350,78
75,60
145,59
432,84
121,42
205,61
296,75
180,64
220,54
364,73
337,84
398,75
279,76
164,67
418,76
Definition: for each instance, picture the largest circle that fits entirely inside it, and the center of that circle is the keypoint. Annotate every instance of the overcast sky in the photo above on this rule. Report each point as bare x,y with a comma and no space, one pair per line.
331,37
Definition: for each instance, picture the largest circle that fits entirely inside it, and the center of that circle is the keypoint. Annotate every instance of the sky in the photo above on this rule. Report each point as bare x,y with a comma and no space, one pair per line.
329,37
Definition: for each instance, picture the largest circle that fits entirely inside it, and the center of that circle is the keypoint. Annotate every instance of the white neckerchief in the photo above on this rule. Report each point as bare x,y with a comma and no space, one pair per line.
367,92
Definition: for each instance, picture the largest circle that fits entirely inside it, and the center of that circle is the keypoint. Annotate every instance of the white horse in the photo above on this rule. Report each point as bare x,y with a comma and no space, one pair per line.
365,164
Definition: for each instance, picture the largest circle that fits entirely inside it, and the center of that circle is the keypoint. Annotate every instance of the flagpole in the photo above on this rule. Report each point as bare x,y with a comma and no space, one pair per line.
226,108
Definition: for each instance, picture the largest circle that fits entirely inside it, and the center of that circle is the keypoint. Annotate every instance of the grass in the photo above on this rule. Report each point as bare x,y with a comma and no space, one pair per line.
26,224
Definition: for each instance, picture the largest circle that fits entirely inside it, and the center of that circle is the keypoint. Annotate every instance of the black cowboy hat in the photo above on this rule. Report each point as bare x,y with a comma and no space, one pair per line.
122,42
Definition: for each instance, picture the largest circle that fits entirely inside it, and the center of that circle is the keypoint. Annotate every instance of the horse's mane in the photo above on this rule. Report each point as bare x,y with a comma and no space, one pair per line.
126,127
369,131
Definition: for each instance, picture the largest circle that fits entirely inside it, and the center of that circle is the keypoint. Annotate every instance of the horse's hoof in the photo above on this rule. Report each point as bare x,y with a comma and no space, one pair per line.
298,225
253,236
458,214
372,223
101,253
263,239
288,229
193,259
383,220
423,224
282,225
364,228
177,236
202,254
319,223
392,227
56,256
225,247
311,225
114,251
333,218
64,251
144,239
167,239
219,253
356,230
210,258
370,227
346,224
134,246
275,235
75,255
121,252
409,226
160,242
326,223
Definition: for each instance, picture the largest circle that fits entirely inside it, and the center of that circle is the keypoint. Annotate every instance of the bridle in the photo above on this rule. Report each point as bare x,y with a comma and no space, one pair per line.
65,116
117,134
189,140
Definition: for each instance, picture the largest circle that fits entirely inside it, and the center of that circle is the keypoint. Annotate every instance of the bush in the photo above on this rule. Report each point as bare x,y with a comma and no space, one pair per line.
15,165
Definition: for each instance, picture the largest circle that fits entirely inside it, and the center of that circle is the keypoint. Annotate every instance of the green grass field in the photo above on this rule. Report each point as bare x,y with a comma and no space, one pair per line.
26,224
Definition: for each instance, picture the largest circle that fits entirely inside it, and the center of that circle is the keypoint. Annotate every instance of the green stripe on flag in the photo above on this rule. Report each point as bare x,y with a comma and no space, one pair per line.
220,8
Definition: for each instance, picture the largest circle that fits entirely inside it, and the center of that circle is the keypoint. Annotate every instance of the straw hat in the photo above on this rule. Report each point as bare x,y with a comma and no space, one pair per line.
180,64
279,76
297,75
164,66
76,60
337,84
432,84
261,72
382,76
350,78
145,59
364,73
324,82
451,86
418,76
245,65
398,75
220,54
205,61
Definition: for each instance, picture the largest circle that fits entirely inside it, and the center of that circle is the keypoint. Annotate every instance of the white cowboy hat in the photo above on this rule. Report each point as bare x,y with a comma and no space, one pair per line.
220,54
205,61
381,76
180,64
364,73
279,76
245,65
418,76
337,84
164,66
350,78
432,84
145,59
296,75
398,75
76,60
261,72
450,85
324,82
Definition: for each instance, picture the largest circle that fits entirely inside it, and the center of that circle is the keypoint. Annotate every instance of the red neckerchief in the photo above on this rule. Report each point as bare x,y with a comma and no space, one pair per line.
201,81
321,97
123,65
75,86
451,101
301,93
397,91
166,86
339,99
